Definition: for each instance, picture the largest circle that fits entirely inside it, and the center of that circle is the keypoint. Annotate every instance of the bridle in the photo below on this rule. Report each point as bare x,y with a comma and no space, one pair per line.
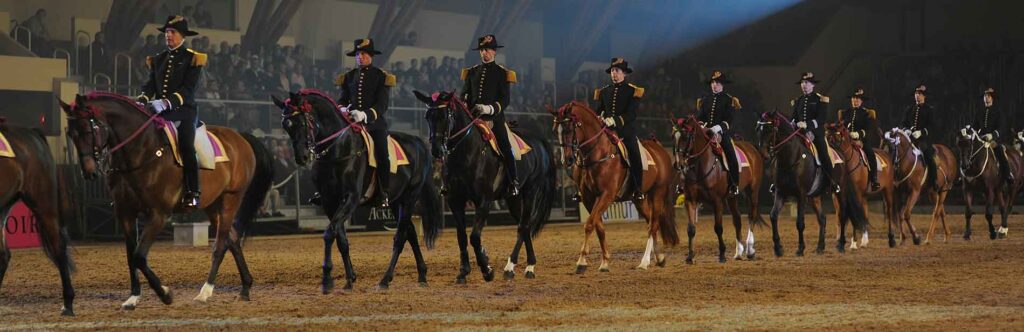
971,136
895,137
689,127
773,119
566,117
312,127
101,151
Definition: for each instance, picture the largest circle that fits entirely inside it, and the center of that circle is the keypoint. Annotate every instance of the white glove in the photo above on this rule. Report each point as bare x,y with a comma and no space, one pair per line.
357,115
159,105
801,125
342,109
1020,135
484,109
854,135
717,129
810,135
963,132
987,137
916,134
609,122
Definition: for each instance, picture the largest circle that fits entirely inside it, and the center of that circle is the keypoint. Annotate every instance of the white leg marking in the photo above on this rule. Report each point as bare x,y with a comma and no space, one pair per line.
510,267
750,242
205,293
739,250
646,261
853,243
864,240
529,269
130,303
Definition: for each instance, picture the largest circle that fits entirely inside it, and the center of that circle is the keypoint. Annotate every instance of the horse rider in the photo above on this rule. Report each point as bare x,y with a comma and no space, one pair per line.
487,86
364,96
716,109
170,92
809,112
617,106
917,119
863,125
991,125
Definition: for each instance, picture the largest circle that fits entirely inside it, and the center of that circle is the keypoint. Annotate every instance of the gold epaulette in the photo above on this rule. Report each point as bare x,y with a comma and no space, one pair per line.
149,62
464,74
340,80
597,94
638,92
198,59
792,103
823,98
736,103
871,114
389,79
700,101
510,75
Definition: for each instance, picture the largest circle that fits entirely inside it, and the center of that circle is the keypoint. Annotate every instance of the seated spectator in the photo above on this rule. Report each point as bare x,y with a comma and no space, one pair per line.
41,43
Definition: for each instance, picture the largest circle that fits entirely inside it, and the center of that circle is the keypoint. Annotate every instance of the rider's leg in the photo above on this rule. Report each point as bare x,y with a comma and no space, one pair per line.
380,152
501,136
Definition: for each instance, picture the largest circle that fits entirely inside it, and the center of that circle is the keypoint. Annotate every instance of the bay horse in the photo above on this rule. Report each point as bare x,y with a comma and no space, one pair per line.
330,140
979,170
114,135
910,174
705,180
856,169
590,148
794,171
472,171
31,176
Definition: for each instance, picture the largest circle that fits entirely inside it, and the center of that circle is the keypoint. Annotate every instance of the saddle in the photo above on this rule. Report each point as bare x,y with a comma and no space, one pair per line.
741,158
645,155
396,154
833,155
209,149
519,146
879,162
6,150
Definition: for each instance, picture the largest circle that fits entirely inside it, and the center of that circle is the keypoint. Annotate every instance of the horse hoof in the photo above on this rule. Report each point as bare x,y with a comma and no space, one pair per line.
661,263
751,257
841,249
509,275
244,297
168,296
423,284
530,275
800,253
580,269
325,289
67,312
489,275
127,307
967,237
460,281
892,243
604,269
689,260
1002,235
992,235
917,240
722,259
820,251
778,252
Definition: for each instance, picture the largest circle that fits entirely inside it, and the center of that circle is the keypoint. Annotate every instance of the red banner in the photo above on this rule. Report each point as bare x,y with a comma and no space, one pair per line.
20,228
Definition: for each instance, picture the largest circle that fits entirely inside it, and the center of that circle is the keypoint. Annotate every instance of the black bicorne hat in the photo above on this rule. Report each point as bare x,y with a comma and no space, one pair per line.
621,64
363,45
178,23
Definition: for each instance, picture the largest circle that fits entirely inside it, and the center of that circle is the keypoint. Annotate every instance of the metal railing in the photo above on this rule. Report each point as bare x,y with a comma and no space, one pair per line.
117,58
96,85
67,56
17,35
78,49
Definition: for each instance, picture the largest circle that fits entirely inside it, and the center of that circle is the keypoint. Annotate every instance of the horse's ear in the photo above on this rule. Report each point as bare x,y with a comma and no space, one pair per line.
79,99
549,108
64,106
278,102
293,95
422,97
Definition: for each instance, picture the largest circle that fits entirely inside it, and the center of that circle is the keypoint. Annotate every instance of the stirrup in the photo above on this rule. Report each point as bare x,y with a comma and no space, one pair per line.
638,195
190,199
316,199
515,188
734,190
384,202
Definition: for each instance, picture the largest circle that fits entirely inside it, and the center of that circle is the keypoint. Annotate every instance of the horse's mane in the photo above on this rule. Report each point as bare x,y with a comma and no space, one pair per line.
117,97
318,93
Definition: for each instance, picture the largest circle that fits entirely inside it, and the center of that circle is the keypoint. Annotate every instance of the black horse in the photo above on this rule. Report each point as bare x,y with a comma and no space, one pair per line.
321,134
30,176
472,171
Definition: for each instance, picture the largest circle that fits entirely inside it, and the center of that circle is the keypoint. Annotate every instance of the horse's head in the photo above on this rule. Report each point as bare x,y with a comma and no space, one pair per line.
569,127
297,119
837,133
687,133
898,142
440,115
89,132
767,131
967,141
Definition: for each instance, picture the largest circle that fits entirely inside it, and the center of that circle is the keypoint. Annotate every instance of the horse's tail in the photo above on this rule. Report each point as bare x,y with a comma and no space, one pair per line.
546,186
262,179
667,219
432,212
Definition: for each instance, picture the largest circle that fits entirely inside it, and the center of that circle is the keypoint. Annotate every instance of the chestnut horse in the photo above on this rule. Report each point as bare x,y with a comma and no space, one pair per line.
589,147
980,172
705,180
31,176
856,169
794,171
910,174
116,136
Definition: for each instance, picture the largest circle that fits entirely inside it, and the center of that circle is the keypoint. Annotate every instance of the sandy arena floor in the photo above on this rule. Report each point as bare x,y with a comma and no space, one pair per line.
963,285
